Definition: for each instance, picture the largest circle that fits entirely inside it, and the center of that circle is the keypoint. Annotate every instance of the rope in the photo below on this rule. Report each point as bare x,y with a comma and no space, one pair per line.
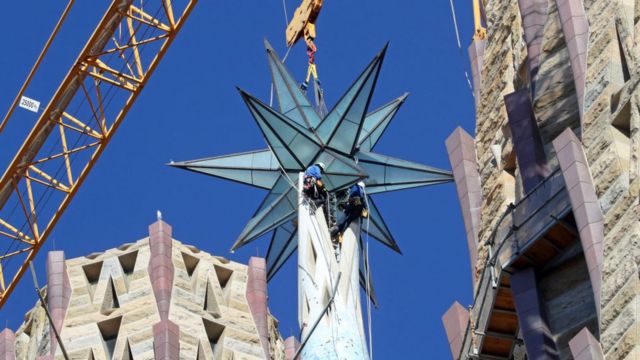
286,55
36,65
455,22
455,26
286,23
368,279
284,8
286,175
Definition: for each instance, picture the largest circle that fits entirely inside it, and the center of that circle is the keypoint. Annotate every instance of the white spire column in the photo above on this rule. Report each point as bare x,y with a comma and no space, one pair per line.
338,332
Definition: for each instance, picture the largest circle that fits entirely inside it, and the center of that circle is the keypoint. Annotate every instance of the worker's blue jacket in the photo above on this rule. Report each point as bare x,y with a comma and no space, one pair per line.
313,171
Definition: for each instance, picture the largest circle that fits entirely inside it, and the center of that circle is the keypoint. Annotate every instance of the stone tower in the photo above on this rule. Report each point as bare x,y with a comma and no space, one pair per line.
153,299
548,185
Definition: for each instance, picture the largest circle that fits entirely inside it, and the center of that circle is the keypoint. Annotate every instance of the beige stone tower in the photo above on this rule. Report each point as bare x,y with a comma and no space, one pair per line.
153,299
549,183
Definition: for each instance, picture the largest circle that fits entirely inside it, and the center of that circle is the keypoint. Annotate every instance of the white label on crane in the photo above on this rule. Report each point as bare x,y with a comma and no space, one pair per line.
29,104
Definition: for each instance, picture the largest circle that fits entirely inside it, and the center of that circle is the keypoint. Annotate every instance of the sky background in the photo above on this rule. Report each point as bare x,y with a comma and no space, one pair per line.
191,109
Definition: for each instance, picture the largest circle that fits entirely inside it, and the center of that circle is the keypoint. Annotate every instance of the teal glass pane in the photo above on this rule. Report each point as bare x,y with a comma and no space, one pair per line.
304,116
396,174
264,160
292,101
377,227
284,243
340,171
305,150
377,189
272,216
279,149
281,186
310,113
291,143
341,127
383,159
331,122
388,171
235,160
264,179
375,172
345,136
376,233
261,159
348,130
337,182
370,142
243,176
335,166
285,99
340,164
376,123
253,168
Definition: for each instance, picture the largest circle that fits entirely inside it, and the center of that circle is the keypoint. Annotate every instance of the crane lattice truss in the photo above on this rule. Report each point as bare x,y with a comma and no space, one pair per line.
78,123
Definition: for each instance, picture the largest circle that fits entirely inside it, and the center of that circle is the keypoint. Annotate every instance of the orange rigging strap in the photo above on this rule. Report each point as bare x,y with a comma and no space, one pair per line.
303,25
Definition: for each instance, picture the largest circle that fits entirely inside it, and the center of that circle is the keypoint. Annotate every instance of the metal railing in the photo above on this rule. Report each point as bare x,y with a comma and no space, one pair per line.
519,226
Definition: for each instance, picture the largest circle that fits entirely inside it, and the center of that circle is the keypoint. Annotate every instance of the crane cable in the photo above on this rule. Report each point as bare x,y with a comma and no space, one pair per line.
286,55
286,17
455,26
36,65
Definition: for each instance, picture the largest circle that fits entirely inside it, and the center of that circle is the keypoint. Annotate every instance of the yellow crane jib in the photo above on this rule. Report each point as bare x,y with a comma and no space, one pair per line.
480,32
303,25
303,21
77,124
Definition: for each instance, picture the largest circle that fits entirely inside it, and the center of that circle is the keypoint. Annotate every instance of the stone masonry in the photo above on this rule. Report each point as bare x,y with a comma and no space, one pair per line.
153,299
576,64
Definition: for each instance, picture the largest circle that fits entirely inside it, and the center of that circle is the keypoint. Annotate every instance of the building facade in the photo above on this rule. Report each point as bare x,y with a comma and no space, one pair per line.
153,299
548,184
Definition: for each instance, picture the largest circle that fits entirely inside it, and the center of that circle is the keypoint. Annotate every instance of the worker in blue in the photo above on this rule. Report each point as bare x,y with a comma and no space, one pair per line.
315,171
313,187
354,208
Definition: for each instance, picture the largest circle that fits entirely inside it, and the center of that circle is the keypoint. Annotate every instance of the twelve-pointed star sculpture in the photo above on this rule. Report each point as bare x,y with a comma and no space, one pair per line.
298,137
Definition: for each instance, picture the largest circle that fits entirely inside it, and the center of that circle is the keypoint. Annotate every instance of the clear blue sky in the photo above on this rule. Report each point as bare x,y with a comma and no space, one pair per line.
190,109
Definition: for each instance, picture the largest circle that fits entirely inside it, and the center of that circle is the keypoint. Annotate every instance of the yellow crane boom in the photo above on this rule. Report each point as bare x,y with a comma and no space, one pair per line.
77,124
480,32
303,23
36,65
